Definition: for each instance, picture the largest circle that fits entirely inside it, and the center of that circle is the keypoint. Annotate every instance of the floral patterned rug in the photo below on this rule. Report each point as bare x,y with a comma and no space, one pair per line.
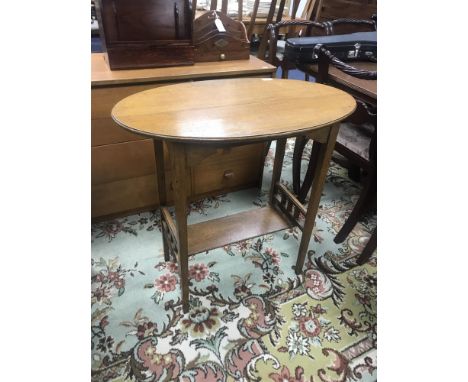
251,318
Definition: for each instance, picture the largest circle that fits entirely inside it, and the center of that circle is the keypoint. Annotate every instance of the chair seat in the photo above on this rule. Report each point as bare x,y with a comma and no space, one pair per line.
356,138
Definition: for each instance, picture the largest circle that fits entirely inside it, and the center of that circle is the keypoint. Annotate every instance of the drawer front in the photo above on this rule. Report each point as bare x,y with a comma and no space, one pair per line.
119,161
105,131
104,99
230,169
124,196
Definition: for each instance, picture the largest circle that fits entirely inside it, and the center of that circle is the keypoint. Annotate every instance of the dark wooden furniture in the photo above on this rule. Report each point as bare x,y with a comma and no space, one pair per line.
146,33
356,141
368,249
336,9
258,25
213,44
264,40
123,172
231,119
309,28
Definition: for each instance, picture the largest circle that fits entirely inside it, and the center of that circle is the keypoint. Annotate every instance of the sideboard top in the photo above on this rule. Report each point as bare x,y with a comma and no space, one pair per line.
101,75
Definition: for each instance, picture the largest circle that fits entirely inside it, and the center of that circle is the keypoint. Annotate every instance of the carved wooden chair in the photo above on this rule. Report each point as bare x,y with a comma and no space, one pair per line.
339,26
276,47
309,28
294,4
356,141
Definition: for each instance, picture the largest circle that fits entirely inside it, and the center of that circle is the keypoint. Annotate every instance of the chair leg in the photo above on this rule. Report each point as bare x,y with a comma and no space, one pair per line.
354,173
266,149
369,249
348,226
297,159
284,72
310,174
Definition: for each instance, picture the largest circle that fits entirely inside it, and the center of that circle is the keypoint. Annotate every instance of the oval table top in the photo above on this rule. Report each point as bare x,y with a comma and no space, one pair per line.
232,110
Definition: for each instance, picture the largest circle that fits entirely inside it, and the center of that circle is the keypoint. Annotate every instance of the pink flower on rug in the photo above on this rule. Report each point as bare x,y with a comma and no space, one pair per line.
100,294
172,267
275,256
166,283
198,271
112,276
309,326
113,228
119,283
285,375
100,277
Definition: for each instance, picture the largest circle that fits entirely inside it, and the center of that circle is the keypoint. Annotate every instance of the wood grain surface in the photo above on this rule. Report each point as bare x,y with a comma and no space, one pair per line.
101,75
233,110
365,87
230,229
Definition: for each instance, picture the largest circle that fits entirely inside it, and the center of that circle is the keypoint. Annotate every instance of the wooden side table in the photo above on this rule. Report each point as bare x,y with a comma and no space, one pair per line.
194,119
123,176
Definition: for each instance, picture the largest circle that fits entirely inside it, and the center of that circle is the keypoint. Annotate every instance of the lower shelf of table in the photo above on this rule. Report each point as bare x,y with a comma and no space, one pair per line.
230,229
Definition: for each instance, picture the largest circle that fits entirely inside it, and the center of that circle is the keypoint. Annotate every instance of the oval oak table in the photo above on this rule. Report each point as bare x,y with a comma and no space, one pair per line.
195,119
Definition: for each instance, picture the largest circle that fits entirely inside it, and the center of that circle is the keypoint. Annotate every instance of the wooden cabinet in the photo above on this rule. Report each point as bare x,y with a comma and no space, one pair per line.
123,167
146,33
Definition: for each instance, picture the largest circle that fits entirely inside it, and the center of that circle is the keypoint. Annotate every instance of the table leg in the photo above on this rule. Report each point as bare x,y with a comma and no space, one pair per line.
277,166
310,173
324,157
179,183
301,141
161,184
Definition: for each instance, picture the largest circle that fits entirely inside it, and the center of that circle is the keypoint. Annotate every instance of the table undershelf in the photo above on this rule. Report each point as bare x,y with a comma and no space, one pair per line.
230,229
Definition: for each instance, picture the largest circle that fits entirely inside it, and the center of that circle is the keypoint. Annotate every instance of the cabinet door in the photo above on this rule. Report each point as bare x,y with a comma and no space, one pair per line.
145,20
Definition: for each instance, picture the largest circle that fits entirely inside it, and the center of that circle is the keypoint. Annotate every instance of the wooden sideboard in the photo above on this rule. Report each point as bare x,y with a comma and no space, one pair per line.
123,165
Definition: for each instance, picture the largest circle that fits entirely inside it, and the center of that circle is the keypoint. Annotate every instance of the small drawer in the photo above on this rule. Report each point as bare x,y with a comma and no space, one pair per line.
224,176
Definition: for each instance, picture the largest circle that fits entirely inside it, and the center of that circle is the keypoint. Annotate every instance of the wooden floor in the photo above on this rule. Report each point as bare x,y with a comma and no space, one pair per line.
230,229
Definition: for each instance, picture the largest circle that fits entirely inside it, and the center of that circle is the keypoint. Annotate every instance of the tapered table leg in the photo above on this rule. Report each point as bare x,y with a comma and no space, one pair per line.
161,184
180,173
324,157
277,166
299,145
